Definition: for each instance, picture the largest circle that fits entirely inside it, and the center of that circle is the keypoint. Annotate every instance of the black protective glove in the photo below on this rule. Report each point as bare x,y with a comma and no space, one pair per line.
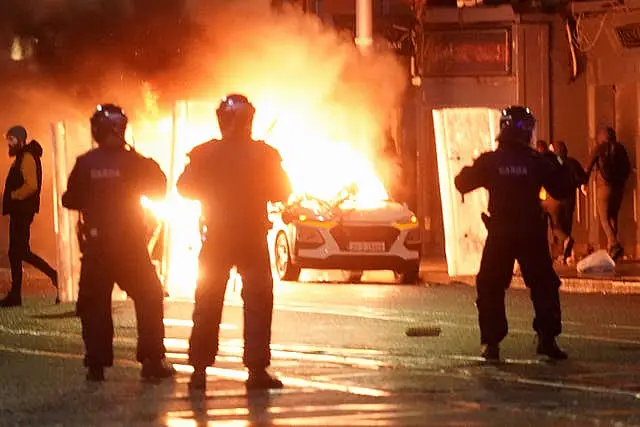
486,219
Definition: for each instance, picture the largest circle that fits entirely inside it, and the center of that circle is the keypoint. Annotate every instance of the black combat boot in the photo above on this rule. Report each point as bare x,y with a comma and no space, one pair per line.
11,300
198,380
54,282
95,374
259,379
568,248
491,352
156,370
549,347
616,251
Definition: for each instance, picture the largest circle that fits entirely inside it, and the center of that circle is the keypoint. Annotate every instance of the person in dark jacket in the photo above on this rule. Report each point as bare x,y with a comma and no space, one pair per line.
106,185
233,179
21,201
611,160
542,147
562,211
514,174
548,203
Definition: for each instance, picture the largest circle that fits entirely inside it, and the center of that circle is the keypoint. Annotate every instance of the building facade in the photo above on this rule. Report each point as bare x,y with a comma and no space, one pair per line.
574,64
607,44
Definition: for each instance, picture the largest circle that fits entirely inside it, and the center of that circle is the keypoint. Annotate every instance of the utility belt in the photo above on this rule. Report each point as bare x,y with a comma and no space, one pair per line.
82,233
486,219
496,224
86,233
93,234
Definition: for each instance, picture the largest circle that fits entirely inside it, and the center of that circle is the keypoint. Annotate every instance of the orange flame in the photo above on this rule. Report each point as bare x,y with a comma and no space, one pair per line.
321,104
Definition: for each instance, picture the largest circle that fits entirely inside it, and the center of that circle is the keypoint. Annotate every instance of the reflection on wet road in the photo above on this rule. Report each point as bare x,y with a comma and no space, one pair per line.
396,369
342,352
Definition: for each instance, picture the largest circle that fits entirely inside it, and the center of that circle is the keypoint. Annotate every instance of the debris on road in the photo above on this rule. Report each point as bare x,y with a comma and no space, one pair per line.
423,331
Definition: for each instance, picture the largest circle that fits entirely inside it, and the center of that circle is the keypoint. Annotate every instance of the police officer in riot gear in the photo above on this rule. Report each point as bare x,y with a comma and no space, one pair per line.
105,186
514,175
234,178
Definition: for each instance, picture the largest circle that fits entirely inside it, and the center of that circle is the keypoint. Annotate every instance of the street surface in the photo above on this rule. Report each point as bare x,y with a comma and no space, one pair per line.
343,355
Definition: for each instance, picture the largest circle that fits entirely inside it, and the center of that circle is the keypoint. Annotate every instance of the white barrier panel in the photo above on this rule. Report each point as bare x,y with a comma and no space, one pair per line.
462,134
69,141
167,140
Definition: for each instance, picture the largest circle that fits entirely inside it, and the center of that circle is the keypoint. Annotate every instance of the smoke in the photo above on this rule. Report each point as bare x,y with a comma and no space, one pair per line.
292,59
293,67
309,83
301,74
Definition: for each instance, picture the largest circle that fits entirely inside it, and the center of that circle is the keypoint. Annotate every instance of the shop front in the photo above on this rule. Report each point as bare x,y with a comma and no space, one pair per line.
474,63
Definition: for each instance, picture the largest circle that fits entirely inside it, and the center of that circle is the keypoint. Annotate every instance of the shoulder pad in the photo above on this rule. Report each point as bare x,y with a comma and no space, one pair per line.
268,150
145,158
484,156
88,154
200,150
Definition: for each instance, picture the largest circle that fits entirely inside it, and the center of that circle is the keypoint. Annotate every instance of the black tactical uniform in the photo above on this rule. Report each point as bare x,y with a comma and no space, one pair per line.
234,179
106,185
514,175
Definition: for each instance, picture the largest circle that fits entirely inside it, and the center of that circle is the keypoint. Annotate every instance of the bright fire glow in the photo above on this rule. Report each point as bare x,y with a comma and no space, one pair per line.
322,172
325,107
178,215
168,140
322,166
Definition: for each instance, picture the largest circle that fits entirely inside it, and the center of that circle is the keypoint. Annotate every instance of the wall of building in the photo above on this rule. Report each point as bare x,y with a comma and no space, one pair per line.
568,109
613,88
482,81
568,118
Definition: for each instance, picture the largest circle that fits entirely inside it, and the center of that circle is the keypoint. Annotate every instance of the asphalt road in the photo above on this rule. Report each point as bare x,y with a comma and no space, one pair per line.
342,352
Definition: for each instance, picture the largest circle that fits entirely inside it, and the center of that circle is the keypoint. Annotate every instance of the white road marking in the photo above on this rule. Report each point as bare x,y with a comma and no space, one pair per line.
241,375
183,344
578,387
189,323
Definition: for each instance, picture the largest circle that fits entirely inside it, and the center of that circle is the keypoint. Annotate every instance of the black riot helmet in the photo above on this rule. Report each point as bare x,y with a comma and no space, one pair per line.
517,124
235,117
108,126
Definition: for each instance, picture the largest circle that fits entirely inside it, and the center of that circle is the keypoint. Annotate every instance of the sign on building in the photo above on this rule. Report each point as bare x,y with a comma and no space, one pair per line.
458,53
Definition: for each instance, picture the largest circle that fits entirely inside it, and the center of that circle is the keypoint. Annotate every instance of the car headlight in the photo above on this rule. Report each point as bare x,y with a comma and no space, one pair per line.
410,221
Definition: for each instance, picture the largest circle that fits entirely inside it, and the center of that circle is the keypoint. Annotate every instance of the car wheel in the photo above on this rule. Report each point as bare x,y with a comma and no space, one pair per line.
284,267
355,276
409,276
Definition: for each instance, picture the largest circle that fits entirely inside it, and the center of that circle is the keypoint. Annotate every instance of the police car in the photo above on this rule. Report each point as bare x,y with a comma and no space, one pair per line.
309,233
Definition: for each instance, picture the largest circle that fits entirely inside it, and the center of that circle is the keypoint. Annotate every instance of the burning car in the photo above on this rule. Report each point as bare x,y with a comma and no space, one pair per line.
344,234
